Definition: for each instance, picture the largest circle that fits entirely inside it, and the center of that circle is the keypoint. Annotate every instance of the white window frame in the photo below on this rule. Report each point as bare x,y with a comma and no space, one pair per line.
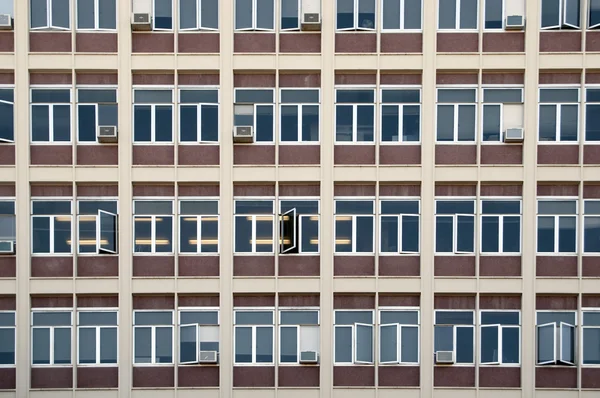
253,327
400,124
154,19
9,87
297,28
95,104
457,27
500,328
355,114
298,328
402,18
199,106
14,327
153,221
51,333
353,327
255,106
299,106
50,106
584,106
99,250
353,218
254,27
500,217
199,219
455,250
559,140
98,329
255,217
97,18
557,217
585,217
356,26
400,218
557,338
52,217
153,361
198,328
500,104
174,128
454,335
199,26
562,23
484,6
399,328
49,21
300,217
584,327
456,105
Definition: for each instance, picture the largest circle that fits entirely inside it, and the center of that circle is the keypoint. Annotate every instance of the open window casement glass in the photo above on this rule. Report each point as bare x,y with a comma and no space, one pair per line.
288,231
594,14
567,344
363,343
490,344
571,13
389,341
107,232
546,344
188,344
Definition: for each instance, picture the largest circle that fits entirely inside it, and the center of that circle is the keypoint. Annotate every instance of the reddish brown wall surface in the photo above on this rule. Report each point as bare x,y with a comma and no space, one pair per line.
556,377
300,42
97,377
399,265
401,42
298,376
457,42
254,265
354,376
254,376
499,377
198,376
504,42
299,265
153,376
399,376
454,376
355,43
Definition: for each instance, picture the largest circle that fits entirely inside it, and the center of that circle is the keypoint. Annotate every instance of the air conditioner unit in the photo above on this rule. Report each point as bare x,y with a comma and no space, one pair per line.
107,133
6,22
243,134
311,21
207,357
513,135
444,357
309,357
515,22
141,21
7,247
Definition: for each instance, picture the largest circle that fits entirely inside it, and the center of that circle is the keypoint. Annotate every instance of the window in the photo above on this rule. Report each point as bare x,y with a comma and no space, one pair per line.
198,333
557,226
401,15
398,337
152,337
51,227
290,14
198,226
97,337
7,338
355,15
152,115
50,115
455,226
198,15
594,20
299,110
253,337
198,115
354,229
163,15
399,223
500,338
400,115
153,226
454,332
555,338
7,7
50,14
592,113
96,14
502,109
500,226
591,226
254,226
97,221
299,226
559,115
254,107
7,106
494,14
8,227
354,115
95,107
353,337
591,338
456,114
298,335
51,337
560,14
457,14
254,14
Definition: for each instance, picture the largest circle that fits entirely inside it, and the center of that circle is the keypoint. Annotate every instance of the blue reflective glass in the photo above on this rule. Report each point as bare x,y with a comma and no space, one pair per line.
142,123
86,123
40,123
264,123
209,123
188,121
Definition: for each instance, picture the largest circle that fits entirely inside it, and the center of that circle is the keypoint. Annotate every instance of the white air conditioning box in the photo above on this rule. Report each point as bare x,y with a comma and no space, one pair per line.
6,22
207,357
310,14
7,247
141,21
243,134
444,357
107,133
309,357
513,135
515,22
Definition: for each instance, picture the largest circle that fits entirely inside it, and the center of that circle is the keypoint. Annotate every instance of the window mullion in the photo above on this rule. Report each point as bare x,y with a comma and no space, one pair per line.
50,122
454,233
198,14
354,123
556,234
354,222
198,234
153,234
98,329
399,344
402,5
355,16
253,236
97,14
500,234
400,230
52,221
49,13
153,344
198,123
253,345
457,15
299,110
558,122
456,108
254,14
152,123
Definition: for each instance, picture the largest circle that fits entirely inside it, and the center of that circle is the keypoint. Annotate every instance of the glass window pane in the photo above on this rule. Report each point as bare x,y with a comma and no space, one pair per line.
411,120
568,122
265,14
545,343
489,344
209,14
51,318
40,235
62,346
456,95
310,123
108,345
60,14
87,234
7,126
164,345
264,234
390,120
399,207
254,207
364,343
589,319
410,344
491,123
445,122
97,318
591,242
401,317
41,346
143,234
556,316
511,235
143,345
557,207
444,232
188,339
592,117
299,96
493,14
464,345
309,237
264,344
87,345
163,123
243,345
343,344
501,207
366,14
289,15
345,14
62,123
142,123
188,123
594,12
389,234
466,122
364,234
412,14
502,95
388,343
40,123
39,13
547,123
352,317
289,344
164,234
344,117
568,343
454,317
108,232
591,346
289,123
343,234
188,230
550,13
443,338
490,234
447,14
355,96
86,119
85,14
254,317
199,317
559,95
210,235
62,235
209,123
107,14
567,234
7,346
510,345
410,233
264,123
188,14
468,14
545,235
572,12
163,14
391,14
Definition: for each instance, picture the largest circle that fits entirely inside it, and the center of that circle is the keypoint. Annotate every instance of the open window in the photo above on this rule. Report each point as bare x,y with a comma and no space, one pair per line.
546,346
107,232
7,133
556,344
288,228
594,10
299,337
363,343
198,343
567,344
398,343
560,14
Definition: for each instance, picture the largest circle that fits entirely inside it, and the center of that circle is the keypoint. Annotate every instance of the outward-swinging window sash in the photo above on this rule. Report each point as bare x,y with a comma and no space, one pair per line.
360,9
262,15
195,10
109,14
7,133
48,7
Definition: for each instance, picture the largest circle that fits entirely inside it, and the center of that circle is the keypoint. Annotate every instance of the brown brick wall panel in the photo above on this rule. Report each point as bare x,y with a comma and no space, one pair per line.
198,155
502,154
299,154
592,76
558,377
355,43
300,42
49,42
254,42
499,377
202,300
400,78
457,42
198,265
496,302
50,377
555,302
454,266
401,42
7,189
557,190
592,41
97,266
299,189
400,154
502,78
399,265
295,300
558,154
51,301
50,78
153,302
97,377
254,80
153,78
299,265
353,265
590,301
501,190
455,190
253,265
254,190
398,300
354,376
153,155
399,376
7,155
305,80
8,303
152,42
590,378
96,42
253,376
354,154
96,78
556,266
198,190
153,190
344,78
454,302
298,376
399,190
198,43
566,77
455,154
456,78
8,267
97,155
153,376
7,77
454,376
198,79
51,190
52,267
7,42
591,154
254,154
84,190
51,155
8,378
504,42
97,300
354,190
198,376
253,300
590,266
499,266
353,302
153,266
560,41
